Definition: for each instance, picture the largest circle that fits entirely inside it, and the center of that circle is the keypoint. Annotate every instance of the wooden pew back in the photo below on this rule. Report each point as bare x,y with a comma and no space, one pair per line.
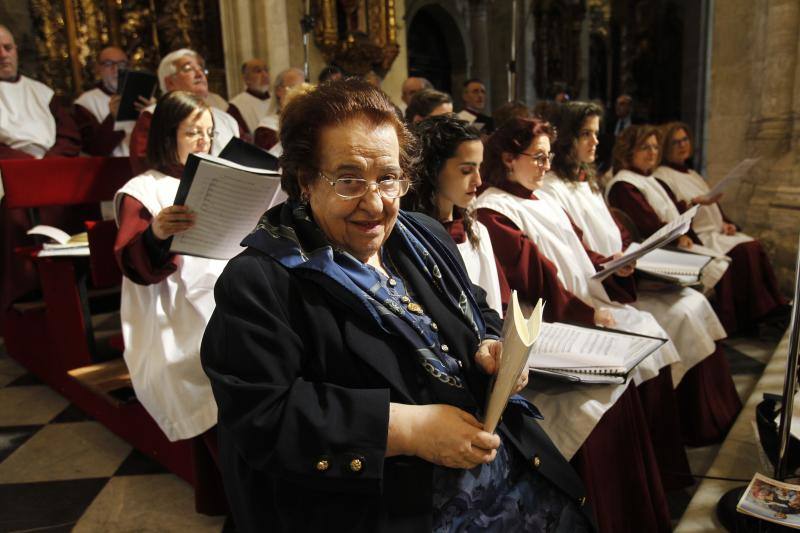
62,181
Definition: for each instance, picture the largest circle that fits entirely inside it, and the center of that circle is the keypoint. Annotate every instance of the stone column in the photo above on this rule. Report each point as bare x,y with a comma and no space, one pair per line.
479,35
778,84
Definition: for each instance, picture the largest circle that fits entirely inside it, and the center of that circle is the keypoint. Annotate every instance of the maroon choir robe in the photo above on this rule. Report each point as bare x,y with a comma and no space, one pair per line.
97,138
707,399
617,462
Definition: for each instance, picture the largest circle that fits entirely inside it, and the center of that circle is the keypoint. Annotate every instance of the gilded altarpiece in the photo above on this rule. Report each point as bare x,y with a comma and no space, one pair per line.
70,32
357,35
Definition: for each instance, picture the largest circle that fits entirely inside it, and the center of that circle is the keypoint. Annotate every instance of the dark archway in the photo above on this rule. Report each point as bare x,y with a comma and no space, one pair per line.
436,49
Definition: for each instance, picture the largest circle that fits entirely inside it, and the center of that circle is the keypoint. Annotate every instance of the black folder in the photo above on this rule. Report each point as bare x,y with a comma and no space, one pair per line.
249,155
131,85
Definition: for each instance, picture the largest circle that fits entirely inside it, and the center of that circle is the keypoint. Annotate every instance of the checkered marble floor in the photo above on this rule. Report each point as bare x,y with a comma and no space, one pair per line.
62,471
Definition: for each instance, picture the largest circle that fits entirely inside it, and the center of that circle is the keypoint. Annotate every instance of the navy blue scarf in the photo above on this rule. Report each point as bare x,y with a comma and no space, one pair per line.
289,235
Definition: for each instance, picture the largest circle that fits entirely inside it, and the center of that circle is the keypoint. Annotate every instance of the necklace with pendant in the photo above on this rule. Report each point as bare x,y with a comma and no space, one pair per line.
405,299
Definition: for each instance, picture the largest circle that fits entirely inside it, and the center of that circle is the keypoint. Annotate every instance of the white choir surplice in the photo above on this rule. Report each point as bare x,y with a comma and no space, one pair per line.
685,314
96,102
707,224
252,108
481,266
663,206
225,126
163,324
216,101
26,123
548,226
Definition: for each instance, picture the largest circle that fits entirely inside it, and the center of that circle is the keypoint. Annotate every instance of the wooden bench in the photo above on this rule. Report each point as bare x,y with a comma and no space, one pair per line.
54,338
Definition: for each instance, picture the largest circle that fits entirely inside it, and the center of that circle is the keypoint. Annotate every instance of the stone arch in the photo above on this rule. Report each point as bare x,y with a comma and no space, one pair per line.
446,18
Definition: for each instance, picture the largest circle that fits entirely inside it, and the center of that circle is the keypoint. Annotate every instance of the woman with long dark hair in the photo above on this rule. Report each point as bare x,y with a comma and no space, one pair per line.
448,179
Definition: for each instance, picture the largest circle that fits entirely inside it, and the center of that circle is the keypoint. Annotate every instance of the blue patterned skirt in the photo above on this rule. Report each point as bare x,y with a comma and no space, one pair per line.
504,495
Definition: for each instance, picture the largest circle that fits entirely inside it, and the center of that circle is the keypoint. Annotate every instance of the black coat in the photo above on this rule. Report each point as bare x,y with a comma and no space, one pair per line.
303,378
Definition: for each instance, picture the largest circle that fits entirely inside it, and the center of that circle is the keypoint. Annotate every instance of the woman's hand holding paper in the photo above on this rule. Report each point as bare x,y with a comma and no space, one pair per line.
172,220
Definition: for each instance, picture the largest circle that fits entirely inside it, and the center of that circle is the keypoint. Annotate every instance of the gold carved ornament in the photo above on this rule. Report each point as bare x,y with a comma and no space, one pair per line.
357,35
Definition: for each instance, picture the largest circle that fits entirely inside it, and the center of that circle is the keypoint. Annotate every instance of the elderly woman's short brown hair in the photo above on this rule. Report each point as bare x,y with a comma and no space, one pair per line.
628,141
332,104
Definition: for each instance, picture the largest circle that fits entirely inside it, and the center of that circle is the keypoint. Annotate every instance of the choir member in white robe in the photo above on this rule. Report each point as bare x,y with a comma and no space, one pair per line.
33,125
167,299
684,313
761,295
251,105
183,70
448,179
541,256
96,109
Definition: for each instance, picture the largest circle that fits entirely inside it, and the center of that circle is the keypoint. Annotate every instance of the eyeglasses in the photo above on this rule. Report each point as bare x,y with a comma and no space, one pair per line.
350,187
541,160
682,140
648,148
111,64
189,67
198,132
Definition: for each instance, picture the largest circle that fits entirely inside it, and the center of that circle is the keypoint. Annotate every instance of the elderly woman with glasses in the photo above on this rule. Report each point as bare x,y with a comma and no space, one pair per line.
350,355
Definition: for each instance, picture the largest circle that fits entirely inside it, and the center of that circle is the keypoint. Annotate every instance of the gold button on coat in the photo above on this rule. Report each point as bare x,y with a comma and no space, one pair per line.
356,465
536,462
323,465
582,501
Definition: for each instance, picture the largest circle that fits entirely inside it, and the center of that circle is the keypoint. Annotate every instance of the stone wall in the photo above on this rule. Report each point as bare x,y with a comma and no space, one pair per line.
754,110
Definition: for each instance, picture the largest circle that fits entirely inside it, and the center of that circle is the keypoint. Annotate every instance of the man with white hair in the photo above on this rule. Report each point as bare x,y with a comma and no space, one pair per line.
96,109
33,124
266,134
183,70
252,104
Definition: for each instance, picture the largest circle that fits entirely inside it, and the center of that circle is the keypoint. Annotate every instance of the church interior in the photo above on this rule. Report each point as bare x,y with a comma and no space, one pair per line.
78,449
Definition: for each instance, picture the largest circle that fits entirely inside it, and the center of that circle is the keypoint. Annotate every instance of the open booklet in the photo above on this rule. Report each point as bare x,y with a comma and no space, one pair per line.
771,500
671,266
228,200
519,334
576,350
65,244
736,173
666,234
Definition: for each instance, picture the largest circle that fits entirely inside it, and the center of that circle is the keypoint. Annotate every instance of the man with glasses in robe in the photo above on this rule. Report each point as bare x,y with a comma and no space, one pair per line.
96,109
183,70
